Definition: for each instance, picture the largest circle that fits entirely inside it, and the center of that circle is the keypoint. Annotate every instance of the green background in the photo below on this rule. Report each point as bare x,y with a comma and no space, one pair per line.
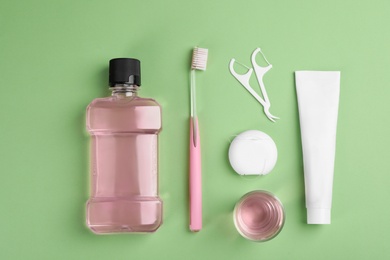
53,62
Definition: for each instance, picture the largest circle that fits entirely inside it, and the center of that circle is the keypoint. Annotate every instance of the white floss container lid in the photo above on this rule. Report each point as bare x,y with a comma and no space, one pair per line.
253,153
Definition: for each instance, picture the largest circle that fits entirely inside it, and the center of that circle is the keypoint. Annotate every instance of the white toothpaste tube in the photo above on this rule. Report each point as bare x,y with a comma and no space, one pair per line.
318,101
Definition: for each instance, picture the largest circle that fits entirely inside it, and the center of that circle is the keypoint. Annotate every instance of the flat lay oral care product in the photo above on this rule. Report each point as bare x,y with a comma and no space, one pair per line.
259,216
318,102
124,132
199,62
244,79
253,153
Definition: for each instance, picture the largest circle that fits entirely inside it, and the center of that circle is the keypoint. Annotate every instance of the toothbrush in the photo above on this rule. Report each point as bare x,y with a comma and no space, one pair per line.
199,62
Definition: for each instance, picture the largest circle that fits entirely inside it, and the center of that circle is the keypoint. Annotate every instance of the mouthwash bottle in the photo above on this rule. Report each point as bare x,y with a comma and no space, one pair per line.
124,129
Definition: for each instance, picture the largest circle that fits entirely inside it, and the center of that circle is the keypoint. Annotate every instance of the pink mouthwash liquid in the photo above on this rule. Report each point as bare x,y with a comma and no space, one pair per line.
259,216
124,132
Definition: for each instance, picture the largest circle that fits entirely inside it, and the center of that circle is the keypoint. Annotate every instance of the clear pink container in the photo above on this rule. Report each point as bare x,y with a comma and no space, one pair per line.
259,216
124,132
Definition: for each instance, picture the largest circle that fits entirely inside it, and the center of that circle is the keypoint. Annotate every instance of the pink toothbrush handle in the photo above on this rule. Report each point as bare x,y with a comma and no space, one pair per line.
195,180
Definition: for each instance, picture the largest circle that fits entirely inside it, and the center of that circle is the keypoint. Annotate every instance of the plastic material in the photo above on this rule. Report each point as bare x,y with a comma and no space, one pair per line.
124,132
199,62
253,153
195,179
318,216
199,58
245,79
318,100
125,71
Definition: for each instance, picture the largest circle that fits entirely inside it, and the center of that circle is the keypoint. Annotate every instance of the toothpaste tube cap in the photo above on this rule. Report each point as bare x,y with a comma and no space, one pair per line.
318,216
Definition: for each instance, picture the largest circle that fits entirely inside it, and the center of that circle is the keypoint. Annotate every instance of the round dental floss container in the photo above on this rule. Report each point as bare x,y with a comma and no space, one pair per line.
253,153
259,216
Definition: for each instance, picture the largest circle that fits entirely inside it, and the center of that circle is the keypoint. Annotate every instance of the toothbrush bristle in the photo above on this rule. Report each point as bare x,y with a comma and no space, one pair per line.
199,59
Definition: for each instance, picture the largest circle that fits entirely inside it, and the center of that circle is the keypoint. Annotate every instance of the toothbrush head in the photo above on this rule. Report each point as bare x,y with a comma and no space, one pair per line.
199,58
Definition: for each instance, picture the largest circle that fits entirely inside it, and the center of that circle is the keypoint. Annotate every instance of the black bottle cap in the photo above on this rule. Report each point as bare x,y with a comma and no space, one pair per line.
125,71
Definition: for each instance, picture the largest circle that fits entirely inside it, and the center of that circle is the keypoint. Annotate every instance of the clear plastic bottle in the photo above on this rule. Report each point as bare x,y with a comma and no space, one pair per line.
124,132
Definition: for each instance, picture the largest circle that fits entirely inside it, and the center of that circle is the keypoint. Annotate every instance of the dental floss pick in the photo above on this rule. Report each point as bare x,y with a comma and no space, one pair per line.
260,72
